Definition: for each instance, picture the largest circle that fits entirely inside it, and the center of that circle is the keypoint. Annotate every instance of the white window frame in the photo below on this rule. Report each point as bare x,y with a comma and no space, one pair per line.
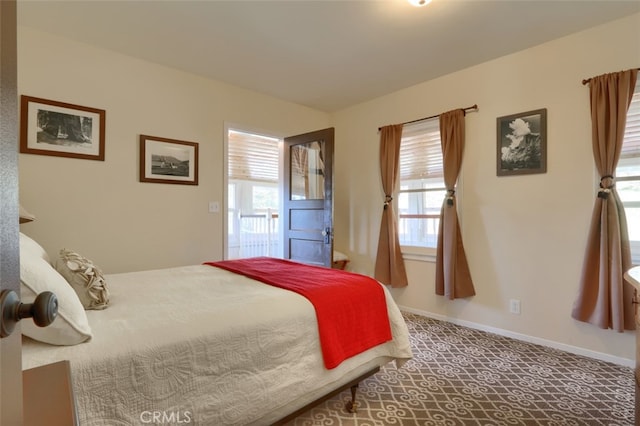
633,161
436,175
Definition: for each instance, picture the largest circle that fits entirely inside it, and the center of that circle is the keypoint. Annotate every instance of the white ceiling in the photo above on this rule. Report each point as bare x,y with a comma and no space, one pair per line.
326,54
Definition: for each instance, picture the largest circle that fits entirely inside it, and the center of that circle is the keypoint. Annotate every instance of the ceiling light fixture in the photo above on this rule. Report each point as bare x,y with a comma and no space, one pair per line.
419,3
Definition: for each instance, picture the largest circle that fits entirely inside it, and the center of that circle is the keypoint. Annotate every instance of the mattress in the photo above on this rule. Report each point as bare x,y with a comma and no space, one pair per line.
202,345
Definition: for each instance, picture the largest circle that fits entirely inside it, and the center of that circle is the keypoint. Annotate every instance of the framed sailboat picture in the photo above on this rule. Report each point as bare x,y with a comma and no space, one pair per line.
61,129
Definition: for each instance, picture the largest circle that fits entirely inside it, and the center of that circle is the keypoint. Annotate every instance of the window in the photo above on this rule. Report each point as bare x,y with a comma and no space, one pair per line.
628,174
265,197
422,188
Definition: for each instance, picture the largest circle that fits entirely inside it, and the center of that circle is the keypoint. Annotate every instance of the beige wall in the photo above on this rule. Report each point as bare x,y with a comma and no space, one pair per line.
524,235
101,209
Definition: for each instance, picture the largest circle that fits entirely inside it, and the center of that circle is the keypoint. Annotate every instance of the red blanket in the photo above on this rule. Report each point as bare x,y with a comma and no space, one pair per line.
351,308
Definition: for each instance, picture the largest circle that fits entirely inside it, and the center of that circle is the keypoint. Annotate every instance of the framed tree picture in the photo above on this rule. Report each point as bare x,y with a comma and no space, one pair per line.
165,160
522,143
60,129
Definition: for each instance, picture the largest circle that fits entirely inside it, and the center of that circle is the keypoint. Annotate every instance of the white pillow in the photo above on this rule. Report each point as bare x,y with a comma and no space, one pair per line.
71,326
27,245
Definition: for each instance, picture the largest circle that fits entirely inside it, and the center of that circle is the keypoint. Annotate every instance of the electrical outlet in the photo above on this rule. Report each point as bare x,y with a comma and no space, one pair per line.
214,207
514,306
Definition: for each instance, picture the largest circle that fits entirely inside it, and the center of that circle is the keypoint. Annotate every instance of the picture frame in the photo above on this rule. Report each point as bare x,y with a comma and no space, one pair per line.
522,143
61,129
164,160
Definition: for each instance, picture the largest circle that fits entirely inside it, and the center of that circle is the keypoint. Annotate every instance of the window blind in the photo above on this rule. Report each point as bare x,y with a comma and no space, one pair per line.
252,157
420,150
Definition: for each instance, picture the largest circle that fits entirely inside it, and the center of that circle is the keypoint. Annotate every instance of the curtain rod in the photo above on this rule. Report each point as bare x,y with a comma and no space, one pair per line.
471,108
587,80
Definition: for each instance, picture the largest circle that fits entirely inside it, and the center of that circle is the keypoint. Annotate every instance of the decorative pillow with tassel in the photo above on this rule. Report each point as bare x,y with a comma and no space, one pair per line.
85,278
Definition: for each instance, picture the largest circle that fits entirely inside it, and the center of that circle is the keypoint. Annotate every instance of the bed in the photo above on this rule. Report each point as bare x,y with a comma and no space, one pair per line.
196,344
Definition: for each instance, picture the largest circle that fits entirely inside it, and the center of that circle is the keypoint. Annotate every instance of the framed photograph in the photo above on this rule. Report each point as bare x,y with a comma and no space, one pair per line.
165,160
60,129
522,143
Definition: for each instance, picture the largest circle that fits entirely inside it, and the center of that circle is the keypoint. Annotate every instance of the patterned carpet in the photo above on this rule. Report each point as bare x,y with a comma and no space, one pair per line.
461,376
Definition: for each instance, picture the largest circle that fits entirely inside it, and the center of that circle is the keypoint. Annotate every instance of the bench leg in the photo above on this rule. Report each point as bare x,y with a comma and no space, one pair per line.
352,405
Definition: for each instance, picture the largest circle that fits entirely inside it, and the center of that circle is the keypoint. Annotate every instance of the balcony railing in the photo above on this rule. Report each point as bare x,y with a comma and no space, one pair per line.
259,234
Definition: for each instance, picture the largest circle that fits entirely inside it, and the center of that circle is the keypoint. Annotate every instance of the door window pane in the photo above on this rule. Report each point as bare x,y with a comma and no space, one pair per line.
307,172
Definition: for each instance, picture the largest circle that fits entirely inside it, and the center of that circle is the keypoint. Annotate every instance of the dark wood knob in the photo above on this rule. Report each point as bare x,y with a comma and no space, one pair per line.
43,310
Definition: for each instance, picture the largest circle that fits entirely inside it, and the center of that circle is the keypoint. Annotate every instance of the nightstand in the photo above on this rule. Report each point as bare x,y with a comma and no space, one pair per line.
340,260
48,396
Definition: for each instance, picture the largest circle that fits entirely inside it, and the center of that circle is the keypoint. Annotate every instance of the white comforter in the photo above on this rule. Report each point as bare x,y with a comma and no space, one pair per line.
201,345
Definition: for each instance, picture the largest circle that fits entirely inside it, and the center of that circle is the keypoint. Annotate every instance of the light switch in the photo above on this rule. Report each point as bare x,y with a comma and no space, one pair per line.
214,207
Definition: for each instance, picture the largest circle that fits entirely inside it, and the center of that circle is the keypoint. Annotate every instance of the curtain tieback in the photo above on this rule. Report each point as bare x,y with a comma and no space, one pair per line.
387,200
603,192
450,195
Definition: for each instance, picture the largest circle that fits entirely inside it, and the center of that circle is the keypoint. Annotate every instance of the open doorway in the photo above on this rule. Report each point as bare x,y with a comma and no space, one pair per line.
254,194
279,196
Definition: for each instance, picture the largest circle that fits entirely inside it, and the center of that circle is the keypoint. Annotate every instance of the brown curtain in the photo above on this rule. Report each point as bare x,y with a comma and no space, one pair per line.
453,278
389,262
604,298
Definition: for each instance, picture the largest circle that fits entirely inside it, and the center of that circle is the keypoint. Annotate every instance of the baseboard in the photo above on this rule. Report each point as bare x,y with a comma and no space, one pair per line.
526,338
